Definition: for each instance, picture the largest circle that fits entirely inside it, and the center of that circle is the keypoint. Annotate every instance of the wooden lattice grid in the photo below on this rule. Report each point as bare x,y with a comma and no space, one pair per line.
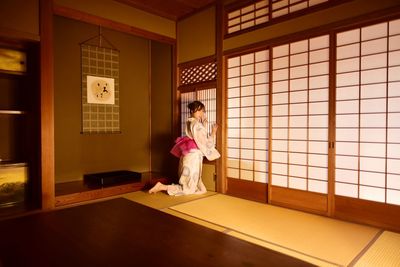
198,73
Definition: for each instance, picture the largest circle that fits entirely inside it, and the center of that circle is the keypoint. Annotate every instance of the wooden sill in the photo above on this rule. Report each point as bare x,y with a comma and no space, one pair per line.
75,192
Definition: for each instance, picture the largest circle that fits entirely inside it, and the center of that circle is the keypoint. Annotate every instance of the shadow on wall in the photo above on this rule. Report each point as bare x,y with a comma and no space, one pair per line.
162,160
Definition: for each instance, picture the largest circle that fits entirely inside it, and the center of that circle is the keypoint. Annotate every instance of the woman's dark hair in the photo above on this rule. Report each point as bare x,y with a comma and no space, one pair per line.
195,106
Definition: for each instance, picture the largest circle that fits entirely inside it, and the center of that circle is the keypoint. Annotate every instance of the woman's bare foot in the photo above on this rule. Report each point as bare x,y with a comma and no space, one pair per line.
158,187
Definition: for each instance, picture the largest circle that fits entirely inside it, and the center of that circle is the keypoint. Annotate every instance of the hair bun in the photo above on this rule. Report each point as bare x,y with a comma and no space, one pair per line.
195,106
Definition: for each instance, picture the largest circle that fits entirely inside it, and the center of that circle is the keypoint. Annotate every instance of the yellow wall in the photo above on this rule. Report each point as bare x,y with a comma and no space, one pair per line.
314,20
20,18
161,109
76,153
121,13
208,176
196,36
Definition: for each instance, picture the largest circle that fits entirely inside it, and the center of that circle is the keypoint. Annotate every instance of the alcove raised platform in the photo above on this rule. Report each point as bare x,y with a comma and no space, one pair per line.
77,191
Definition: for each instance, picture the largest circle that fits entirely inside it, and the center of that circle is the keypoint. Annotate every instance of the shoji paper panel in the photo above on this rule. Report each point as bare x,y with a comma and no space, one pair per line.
368,113
300,80
186,98
247,116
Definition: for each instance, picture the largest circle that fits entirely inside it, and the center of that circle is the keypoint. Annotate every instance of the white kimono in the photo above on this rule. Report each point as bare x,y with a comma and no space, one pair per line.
190,165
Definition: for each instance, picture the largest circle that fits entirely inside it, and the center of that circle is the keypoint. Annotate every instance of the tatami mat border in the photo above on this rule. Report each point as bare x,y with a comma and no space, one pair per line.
257,238
362,252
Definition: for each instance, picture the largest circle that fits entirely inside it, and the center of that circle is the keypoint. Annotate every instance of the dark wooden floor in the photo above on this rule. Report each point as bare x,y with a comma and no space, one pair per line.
120,232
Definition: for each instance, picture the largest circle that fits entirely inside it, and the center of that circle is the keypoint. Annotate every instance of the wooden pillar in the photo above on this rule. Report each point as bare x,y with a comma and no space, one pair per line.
47,104
221,118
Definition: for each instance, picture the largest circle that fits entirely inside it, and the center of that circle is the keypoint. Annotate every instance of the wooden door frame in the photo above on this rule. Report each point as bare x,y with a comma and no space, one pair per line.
47,104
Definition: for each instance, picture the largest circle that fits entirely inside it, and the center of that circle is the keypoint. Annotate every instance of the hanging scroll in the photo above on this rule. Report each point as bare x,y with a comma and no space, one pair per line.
100,86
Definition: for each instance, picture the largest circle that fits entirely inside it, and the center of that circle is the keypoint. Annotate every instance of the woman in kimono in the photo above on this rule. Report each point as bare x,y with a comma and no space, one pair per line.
191,149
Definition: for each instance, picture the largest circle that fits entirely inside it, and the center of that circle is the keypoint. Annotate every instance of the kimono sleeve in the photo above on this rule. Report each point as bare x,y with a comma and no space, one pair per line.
204,143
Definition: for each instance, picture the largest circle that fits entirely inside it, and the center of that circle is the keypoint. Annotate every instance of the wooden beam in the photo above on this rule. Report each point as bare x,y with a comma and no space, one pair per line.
94,194
14,34
92,19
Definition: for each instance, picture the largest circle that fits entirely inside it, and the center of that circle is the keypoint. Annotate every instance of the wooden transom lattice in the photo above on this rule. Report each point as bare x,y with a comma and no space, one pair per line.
198,73
248,15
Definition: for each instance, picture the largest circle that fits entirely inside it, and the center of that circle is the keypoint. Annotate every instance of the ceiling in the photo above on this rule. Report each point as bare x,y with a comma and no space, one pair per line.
171,9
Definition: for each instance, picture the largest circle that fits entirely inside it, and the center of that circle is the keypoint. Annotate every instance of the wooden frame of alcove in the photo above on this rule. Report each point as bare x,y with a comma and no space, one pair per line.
47,11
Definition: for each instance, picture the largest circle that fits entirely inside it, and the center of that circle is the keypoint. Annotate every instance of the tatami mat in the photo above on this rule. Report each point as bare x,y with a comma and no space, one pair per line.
315,239
385,251
295,254
195,220
327,240
162,200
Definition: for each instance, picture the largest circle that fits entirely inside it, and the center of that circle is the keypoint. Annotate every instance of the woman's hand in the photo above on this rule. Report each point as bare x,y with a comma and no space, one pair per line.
204,120
214,129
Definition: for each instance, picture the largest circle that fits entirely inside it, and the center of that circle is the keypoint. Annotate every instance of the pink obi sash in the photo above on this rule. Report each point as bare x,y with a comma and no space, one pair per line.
182,146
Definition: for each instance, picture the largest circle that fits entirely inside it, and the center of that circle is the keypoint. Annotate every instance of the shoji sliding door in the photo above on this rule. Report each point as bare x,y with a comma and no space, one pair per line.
333,142
208,98
368,123
247,125
299,140
186,98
